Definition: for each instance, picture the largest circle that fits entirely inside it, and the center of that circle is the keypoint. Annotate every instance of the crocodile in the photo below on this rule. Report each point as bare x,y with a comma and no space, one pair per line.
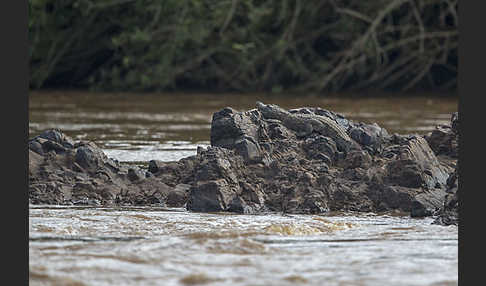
305,124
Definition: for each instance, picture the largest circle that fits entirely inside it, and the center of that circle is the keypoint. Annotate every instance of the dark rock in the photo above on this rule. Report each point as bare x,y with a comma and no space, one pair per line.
56,136
53,146
61,172
448,214
306,201
357,159
212,196
427,203
248,149
305,160
35,161
178,196
36,147
444,139
248,201
414,165
134,174
455,123
89,156
228,126
155,165
321,147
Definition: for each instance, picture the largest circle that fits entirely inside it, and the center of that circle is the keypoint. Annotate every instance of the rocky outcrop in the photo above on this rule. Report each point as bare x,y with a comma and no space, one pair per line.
64,172
449,213
311,160
304,160
444,141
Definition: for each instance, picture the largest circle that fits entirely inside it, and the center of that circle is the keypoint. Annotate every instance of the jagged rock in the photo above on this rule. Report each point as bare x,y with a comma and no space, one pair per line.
448,214
211,196
155,165
414,164
178,196
444,142
56,136
444,139
135,174
64,172
426,204
304,160
89,156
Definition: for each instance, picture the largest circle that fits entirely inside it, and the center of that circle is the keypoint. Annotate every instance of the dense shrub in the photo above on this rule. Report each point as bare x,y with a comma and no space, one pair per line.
244,45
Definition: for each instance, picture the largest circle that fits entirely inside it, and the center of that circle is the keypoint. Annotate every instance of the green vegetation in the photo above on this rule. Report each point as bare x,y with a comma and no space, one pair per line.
244,45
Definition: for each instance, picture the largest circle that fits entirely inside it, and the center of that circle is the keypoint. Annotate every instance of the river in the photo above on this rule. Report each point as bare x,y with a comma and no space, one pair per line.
73,245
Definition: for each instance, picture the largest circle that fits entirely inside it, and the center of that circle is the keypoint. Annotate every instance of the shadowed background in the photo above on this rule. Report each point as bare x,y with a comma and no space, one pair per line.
244,45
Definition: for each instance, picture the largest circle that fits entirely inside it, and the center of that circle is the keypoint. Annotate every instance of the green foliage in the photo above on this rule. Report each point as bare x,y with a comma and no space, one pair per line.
243,45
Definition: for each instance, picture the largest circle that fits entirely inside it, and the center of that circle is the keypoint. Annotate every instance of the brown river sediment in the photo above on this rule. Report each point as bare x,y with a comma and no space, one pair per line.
72,245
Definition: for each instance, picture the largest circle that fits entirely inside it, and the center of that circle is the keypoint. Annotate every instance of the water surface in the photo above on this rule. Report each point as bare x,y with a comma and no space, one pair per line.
150,246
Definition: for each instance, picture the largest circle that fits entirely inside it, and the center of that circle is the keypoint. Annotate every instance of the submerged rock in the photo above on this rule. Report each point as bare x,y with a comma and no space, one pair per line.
304,160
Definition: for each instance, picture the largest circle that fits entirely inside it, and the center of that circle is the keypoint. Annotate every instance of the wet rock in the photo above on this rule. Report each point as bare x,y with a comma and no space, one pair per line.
63,172
448,214
427,203
53,146
406,169
36,147
89,156
444,139
357,159
178,196
371,137
249,200
229,126
304,160
35,161
155,165
135,174
306,201
321,148
248,149
211,196
414,164
46,193
56,136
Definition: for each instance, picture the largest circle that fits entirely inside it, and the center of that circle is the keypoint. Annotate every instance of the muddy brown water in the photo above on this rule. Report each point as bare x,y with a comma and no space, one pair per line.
72,245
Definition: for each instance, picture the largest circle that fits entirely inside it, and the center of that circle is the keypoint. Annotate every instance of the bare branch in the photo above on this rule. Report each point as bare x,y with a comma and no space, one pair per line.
231,13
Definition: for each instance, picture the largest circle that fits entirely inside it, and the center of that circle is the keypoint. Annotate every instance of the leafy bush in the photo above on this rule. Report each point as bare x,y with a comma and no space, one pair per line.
244,45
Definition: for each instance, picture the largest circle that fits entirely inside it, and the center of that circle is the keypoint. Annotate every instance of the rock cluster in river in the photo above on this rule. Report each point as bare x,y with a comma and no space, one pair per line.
445,140
64,172
304,160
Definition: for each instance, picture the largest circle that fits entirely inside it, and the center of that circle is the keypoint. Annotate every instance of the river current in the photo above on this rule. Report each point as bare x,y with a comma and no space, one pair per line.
73,245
